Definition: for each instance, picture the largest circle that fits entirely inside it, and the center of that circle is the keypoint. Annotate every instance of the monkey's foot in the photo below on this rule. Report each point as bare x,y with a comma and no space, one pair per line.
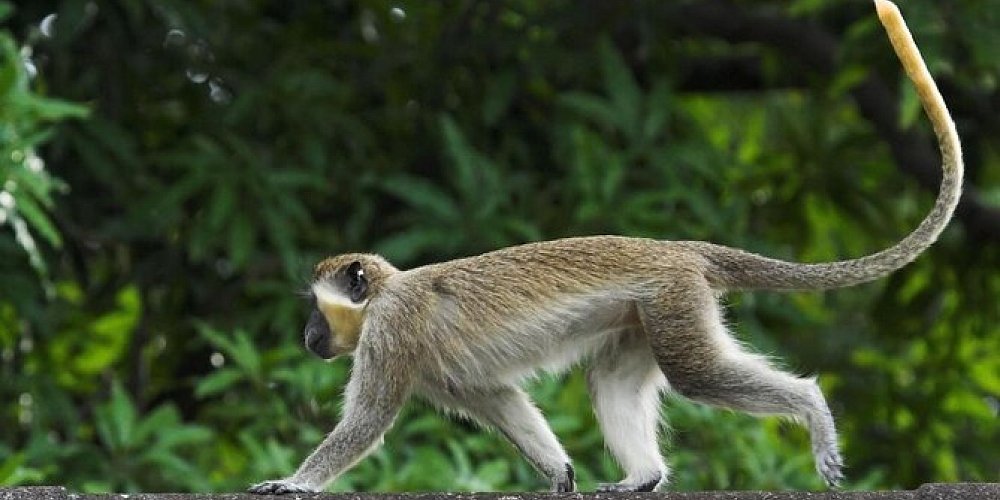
566,483
830,466
567,486
279,487
628,486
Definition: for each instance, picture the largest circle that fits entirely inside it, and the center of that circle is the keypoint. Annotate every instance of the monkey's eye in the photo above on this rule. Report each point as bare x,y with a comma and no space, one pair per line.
357,283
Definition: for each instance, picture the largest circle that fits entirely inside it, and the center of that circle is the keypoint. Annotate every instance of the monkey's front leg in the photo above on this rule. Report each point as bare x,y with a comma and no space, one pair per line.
373,397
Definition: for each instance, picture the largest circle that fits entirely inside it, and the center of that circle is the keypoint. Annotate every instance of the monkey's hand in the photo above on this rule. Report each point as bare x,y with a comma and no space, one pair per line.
279,487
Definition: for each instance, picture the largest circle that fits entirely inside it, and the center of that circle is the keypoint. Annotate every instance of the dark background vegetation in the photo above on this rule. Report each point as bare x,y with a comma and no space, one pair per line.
170,171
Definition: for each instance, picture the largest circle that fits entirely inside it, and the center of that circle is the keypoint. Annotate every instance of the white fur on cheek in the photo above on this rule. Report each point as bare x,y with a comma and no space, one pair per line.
326,295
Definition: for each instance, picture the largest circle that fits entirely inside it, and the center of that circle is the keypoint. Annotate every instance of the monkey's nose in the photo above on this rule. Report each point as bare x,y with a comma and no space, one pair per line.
318,344
314,341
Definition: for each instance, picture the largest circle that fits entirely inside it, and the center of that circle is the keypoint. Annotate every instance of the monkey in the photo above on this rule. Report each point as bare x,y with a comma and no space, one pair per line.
644,313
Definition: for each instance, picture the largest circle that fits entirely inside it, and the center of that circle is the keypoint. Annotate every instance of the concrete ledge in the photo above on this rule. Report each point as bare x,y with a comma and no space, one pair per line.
935,491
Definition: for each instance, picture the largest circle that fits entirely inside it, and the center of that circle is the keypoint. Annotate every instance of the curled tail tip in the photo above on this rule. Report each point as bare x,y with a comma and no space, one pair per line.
884,7
887,11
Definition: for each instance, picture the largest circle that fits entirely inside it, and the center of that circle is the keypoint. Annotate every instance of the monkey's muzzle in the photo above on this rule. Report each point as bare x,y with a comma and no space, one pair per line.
317,336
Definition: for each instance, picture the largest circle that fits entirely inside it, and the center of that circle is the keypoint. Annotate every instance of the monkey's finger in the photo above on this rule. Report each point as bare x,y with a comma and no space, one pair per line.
277,487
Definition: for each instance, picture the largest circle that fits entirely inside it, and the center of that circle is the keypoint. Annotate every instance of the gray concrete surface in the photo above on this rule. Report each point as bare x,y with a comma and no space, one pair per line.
956,491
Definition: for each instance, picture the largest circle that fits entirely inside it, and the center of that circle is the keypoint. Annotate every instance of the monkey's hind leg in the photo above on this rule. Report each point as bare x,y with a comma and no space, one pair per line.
625,385
509,410
702,362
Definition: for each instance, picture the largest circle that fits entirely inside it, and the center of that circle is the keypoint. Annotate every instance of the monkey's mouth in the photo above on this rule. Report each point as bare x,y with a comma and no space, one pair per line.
320,346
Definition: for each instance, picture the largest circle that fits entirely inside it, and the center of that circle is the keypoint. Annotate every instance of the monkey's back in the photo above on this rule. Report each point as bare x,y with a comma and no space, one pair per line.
497,317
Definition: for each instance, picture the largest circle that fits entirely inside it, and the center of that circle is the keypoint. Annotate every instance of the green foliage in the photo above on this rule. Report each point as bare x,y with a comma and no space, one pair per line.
26,188
478,205
136,452
148,311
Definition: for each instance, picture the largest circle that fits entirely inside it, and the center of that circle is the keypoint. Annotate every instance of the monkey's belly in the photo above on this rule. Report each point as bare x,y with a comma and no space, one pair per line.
551,343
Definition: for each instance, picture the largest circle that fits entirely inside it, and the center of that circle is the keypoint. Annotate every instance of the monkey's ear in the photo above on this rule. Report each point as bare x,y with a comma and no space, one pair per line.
357,283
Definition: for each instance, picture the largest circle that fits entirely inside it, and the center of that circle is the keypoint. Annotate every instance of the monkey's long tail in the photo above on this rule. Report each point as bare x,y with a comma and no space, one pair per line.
736,269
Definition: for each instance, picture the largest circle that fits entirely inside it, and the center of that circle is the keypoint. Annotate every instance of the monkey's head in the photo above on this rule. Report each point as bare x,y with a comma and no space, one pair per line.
341,289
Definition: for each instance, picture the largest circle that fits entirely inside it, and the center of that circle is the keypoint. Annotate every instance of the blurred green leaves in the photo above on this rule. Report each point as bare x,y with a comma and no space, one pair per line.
627,112
476,203
621,129
138,451
91,342
12,470
26,120
229,182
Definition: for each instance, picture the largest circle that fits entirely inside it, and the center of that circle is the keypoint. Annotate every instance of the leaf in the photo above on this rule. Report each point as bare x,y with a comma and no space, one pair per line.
591,107
217,382
24,239
498,96
280,234
407,245
221,206
846,79
987,375
13,472
6,10
11,71
116,141
422,195
216,338
241,239
161,420
51,109
621,87
909,108
163,208
657,111
288,178
494,472
109,333
293,209
466,162
239,348
799,8
37,185
183,435
38,220
522,229
116,420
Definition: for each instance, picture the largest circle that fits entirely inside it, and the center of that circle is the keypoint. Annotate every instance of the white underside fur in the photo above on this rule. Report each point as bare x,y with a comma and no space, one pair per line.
602,327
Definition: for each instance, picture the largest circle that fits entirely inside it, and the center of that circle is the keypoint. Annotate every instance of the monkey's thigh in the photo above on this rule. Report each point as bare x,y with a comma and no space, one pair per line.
625,385
703,362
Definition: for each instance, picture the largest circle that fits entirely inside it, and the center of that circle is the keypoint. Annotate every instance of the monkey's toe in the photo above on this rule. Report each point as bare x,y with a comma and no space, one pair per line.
830,466
628,487
278,487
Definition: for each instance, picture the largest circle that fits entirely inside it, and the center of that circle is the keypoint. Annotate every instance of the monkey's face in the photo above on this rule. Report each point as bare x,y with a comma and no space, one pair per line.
340,293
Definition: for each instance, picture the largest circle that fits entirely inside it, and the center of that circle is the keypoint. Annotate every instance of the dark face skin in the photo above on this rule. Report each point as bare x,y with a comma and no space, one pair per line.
349,280
317,334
